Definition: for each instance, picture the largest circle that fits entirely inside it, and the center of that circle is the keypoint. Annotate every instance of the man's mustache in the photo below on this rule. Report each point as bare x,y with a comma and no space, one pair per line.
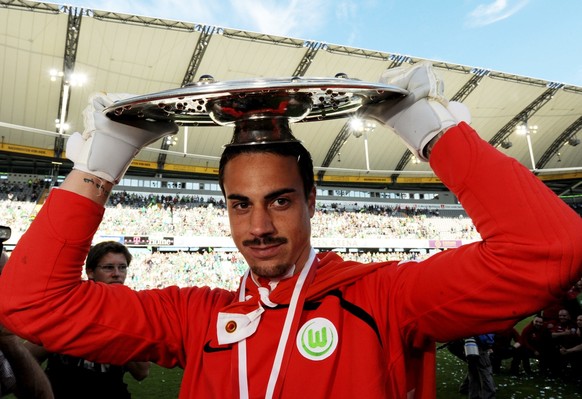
264,241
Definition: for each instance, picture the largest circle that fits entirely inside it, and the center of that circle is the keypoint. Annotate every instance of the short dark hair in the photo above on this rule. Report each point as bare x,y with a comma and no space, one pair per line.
98,251
288,149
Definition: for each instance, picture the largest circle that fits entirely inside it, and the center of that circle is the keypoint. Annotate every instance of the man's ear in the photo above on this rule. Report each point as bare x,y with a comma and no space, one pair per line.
311,201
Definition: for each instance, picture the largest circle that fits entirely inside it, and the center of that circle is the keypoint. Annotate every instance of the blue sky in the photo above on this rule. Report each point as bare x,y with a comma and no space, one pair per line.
534,38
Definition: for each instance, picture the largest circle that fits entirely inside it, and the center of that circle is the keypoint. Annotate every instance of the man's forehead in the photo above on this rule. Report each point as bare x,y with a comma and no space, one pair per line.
248,162
257,152
261,173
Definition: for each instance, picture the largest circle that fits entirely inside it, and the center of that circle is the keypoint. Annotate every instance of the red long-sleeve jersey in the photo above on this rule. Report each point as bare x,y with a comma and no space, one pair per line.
372,337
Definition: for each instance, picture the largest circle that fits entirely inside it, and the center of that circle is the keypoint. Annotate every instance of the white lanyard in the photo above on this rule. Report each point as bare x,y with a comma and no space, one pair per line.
242,347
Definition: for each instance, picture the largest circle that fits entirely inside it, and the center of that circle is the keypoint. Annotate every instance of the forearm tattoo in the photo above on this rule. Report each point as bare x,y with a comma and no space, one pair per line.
99,185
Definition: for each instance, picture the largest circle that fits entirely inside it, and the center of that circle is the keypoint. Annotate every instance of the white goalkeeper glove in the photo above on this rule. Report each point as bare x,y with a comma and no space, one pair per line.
423,113
106,148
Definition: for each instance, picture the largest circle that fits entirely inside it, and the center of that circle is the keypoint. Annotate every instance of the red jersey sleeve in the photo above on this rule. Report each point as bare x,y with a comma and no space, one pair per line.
530,253
45,301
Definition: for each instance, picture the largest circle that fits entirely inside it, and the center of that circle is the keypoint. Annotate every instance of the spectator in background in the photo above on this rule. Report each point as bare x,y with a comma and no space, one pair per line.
505,344
536,342
572,355
563,330
573,301
75,378
478,382
550,312
20,374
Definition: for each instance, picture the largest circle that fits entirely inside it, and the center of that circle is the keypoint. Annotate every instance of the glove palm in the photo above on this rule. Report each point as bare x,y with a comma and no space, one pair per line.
423,113
106,147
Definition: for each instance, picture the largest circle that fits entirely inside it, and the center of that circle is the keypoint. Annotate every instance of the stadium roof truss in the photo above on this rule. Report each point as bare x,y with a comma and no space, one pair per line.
122,53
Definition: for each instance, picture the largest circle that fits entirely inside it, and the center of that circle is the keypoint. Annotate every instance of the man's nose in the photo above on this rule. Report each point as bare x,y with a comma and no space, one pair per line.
261,222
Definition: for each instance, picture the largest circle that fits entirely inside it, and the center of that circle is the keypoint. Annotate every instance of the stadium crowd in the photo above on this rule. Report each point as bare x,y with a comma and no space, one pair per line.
215,269
207,217
194,215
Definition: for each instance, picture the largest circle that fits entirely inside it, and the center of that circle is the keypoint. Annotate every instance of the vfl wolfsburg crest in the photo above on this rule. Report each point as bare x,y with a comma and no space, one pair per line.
317,339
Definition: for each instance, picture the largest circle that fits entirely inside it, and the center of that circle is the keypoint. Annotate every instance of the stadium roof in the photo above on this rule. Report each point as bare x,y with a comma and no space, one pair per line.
122,53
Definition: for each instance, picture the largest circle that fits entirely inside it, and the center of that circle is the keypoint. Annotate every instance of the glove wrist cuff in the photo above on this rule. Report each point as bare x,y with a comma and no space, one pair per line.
420,123
98,174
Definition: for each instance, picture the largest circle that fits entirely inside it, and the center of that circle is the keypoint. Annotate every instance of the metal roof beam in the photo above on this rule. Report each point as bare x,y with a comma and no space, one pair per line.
397,60
404,159
72,42
523,116
518,79
260,37
201,46
162,155
335,148
451,67
572,89
69,58
351,51
559,142
143,21
461,95
31,6
305,62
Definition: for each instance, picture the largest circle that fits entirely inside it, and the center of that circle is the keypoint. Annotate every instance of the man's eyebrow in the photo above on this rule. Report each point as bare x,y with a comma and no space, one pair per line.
237,197
268,197
278,193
